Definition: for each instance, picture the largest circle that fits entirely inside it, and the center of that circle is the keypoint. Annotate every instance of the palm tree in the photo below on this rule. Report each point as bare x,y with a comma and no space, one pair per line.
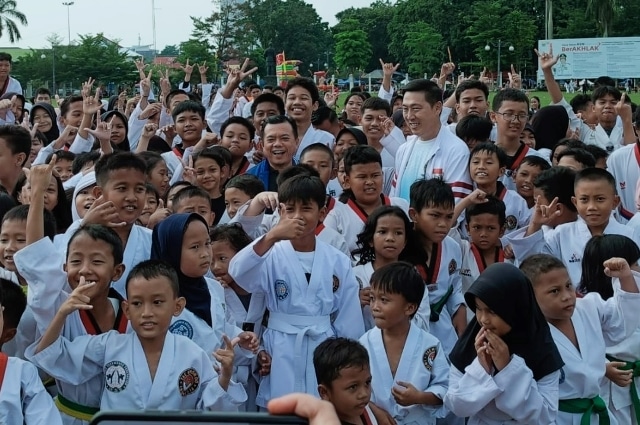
604,11
8,16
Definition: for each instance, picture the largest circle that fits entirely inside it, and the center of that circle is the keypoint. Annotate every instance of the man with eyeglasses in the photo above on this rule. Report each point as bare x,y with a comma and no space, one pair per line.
510,112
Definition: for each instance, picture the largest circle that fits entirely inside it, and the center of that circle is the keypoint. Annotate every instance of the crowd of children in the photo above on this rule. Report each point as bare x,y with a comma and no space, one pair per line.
406,267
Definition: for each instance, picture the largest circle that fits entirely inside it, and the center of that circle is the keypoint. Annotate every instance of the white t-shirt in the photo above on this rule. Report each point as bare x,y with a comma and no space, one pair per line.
416,165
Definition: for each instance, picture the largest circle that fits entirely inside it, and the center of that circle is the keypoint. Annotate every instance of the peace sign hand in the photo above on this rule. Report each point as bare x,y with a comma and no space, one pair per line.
514,79
140,65
145,84
237,75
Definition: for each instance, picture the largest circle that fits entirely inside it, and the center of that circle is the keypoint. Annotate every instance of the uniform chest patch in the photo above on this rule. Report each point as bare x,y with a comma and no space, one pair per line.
188,382
453,266
429,357
511,222
181,327
282,290
116,376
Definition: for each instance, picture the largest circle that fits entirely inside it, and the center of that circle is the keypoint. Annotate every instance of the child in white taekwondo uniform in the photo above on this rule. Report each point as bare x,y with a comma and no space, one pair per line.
23,398
182,240
620,389
594,198
382,241
409,365
95,254
505,367
244,309
344,379
582,329
310,288
624,165
150,368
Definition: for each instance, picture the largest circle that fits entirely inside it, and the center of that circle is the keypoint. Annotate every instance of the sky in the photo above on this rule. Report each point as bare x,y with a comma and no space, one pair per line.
130,20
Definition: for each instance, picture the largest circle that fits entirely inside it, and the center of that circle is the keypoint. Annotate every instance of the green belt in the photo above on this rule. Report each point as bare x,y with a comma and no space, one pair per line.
588,407
75,410
635,367
436,308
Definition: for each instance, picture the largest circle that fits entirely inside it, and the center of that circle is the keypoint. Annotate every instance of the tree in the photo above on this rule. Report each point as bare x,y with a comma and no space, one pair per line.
8,16
170,50
604,11
424,45
373,20
353,49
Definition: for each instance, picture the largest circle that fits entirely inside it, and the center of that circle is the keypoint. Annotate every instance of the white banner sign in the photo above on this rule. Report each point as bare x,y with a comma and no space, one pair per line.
615,57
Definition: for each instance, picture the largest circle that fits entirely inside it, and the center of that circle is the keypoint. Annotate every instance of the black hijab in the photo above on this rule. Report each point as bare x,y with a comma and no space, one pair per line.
166,245
508,292
54,132
358,134
549,125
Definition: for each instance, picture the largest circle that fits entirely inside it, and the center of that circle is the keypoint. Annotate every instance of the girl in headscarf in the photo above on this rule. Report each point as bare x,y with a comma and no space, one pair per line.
45,116
182,240
505,366
83,197
119,130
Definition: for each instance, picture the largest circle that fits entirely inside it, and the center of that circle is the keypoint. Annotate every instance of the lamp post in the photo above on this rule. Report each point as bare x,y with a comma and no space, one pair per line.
499,45
68,4
53,67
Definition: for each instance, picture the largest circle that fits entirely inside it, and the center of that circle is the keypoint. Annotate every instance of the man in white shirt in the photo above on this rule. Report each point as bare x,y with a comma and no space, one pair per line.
8,84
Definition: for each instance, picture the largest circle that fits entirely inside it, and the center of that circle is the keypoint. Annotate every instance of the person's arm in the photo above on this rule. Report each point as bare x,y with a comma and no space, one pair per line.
475,197
186,82
387,75
547,61
90,106
37,405
149,130
145,90
623,109
39,179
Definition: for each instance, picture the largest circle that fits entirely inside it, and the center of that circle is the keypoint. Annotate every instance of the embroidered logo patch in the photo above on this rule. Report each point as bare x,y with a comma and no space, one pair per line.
282,290
188,382
429,357
465,272
116,376
623,185
453,266
511,222
575,258
181,327
336,283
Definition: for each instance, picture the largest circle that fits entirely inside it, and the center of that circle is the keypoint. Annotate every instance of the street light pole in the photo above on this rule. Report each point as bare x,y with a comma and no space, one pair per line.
68,4
499,45
53,58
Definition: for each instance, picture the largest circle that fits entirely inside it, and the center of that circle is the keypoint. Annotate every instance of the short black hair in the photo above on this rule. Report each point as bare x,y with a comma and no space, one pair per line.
14,301
539,264
83,159
4,56
569,143
61,155
66,105
254,86
319,147
335,354
212,154
492,205
173,93
120,160
296,170
267,98
152,269
280,119
188,106
400,278
322,114
582,156
580,102
595,174
491,149
474,127
20,213
241,121
536,161
306,84
151,159
470,85
604,80
189,192
18,140
233,234
99,232
509,94
432,92
247,183
603,91
596,151
303,189
43,90
151,189
557,182
430,193
360,155
376,104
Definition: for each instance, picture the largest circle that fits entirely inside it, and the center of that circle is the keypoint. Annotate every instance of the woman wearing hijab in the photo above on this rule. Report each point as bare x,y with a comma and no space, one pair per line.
505,366
119,130
549,125
182,240
44,115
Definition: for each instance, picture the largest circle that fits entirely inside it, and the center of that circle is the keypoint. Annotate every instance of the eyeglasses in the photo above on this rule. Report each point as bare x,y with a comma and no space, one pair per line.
508,116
